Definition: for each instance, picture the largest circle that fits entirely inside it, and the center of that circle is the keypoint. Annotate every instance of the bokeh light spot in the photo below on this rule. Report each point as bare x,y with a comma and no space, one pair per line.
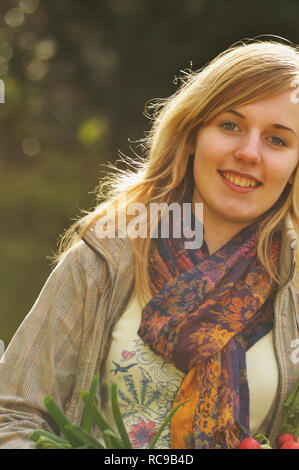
31,146
36,69
28,6
14,18
91,131
45,49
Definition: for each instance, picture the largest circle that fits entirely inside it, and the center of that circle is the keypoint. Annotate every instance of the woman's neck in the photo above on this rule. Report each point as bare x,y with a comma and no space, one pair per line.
217,234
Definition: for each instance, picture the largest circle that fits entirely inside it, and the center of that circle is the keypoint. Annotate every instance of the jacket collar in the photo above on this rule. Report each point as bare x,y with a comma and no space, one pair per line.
111,248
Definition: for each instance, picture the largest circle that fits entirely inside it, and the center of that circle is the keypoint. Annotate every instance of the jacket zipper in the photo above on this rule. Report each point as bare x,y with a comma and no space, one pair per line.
280,377
276,339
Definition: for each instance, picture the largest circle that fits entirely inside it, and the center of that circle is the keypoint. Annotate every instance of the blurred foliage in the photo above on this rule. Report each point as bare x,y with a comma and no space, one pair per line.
77,76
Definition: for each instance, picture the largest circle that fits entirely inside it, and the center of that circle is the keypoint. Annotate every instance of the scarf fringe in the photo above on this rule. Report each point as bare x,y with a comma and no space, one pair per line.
231,440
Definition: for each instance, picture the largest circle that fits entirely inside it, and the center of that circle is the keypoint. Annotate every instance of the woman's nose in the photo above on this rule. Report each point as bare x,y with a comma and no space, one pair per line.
249,149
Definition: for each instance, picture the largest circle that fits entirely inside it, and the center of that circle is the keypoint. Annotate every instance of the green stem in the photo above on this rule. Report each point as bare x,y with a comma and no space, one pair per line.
60,419
83,437
164,424
87,418
35,436
118,418
99,419
47,443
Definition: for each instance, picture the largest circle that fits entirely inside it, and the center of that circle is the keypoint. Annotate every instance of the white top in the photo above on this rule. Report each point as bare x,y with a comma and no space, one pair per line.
147,385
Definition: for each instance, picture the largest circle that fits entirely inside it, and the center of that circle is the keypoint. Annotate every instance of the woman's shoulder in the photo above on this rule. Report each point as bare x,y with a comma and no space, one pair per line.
94,248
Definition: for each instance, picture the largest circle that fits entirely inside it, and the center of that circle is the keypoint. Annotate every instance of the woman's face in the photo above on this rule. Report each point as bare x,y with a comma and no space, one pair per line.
244,158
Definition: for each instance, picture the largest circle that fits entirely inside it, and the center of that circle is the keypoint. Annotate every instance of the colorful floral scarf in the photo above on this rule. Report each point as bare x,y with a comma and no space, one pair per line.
206,312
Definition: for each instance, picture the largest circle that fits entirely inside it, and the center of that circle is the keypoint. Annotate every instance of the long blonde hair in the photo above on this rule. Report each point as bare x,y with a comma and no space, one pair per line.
244,73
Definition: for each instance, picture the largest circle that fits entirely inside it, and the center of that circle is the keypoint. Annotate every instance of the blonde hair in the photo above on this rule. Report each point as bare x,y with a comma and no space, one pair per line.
244,73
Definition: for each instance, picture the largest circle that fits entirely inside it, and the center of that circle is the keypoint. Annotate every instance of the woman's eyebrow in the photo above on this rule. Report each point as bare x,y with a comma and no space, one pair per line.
276,126
280,126
236,113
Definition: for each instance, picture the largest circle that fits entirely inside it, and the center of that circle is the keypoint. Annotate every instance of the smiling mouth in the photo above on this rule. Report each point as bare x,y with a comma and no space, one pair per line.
241,181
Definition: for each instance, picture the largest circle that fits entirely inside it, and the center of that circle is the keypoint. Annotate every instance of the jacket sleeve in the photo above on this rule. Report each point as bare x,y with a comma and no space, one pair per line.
42,357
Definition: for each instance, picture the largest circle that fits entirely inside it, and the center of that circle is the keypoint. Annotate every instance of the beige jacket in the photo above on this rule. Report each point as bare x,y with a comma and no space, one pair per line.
61,344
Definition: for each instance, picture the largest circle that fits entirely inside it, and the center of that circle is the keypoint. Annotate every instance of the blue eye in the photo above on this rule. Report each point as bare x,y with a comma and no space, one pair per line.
278,141
229,126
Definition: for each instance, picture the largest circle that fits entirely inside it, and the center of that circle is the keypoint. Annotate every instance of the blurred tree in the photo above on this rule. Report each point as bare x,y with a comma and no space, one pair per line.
77,76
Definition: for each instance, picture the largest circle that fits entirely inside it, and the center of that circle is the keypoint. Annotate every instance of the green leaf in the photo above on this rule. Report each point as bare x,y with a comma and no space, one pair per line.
262,439
83,437
118,418
164,424
35,436
87,418
113,439
291,411
96,414
47,443
60,418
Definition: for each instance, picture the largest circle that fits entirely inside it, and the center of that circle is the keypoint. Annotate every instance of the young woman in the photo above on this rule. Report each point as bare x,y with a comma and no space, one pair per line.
215,324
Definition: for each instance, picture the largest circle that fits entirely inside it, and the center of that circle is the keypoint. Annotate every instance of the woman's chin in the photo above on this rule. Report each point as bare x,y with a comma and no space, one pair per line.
233,216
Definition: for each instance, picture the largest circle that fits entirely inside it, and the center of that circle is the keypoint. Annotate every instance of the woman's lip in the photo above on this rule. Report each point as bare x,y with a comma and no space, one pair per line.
235,187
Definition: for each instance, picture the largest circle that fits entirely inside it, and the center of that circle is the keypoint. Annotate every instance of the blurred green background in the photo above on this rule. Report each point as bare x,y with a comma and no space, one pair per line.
77,75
